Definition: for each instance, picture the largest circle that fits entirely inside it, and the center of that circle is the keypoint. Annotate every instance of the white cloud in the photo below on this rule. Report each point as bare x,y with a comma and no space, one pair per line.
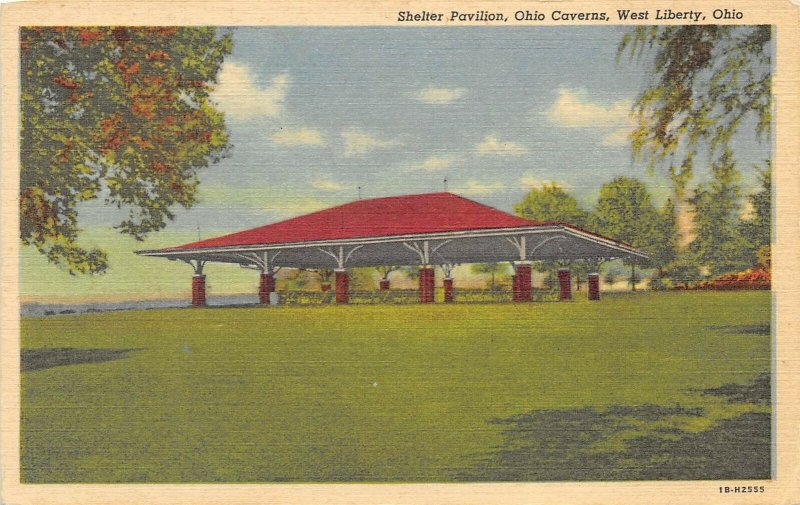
357,143
574,109
298,137
240,96
440,95
326,185
434,163
492,145
477,188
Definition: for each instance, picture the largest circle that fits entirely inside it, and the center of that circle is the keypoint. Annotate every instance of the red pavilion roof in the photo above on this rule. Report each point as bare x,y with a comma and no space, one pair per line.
377,217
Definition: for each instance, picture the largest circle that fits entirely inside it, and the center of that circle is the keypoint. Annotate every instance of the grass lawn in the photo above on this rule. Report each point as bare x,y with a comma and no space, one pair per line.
637,386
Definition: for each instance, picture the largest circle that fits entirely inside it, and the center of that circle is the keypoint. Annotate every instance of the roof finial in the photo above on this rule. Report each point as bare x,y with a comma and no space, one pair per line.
445,183
198,233
359,192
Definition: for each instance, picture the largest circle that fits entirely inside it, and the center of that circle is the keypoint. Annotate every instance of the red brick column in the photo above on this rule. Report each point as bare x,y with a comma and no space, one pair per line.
523,282
426,284
342,287
384,284
514,288
448,289
265,287
564,284
594,286
199,290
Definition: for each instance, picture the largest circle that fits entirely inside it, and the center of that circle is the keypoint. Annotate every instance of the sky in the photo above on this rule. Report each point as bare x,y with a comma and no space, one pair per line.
316,113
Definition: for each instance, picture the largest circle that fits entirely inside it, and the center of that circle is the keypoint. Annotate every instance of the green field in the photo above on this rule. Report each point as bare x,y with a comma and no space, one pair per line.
639,386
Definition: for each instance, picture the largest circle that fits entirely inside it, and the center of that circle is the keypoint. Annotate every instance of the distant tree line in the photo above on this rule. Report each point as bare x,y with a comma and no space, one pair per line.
722,238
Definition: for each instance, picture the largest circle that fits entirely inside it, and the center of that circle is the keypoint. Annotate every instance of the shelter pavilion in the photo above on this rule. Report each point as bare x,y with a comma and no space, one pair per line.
425,230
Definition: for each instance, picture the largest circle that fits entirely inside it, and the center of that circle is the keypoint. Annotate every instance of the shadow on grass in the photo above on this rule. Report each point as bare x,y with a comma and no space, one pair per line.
743,329
643,442
758,392
41,359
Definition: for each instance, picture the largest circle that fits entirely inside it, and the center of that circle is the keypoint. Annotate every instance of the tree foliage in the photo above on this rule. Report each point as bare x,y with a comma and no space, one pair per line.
719,244
362,278
665,248
119,113
551,203
324,275
684,269
491,269
625,212
707,80
385,270
411,272
758,228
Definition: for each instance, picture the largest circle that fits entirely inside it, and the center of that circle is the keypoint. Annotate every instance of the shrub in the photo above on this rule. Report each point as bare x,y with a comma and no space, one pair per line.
753,278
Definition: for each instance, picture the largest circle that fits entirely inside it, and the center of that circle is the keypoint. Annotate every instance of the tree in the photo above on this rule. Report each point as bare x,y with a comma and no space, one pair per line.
613,273
385,270
491,269
323,275
297,280
580,270
411,272
551,203
664,249
684,269
757,230
635,278
362,278
119,113
719,244
625,212
707,81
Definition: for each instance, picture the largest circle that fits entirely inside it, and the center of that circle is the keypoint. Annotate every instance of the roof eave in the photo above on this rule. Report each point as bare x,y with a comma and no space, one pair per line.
176,253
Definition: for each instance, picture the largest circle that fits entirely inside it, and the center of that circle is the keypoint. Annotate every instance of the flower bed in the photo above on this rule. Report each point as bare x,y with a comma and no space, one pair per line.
756,278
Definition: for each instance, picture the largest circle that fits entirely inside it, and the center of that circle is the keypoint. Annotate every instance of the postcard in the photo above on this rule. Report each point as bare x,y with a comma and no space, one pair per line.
404,252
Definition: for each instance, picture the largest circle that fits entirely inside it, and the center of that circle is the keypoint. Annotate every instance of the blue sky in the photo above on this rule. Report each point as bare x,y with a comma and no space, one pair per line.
397,110
313,113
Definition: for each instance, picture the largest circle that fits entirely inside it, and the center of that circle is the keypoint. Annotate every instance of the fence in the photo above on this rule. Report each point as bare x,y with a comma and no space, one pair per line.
411,296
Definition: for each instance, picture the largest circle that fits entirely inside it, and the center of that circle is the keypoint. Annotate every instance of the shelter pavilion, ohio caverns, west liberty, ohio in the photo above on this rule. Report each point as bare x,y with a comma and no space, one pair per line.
425,230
